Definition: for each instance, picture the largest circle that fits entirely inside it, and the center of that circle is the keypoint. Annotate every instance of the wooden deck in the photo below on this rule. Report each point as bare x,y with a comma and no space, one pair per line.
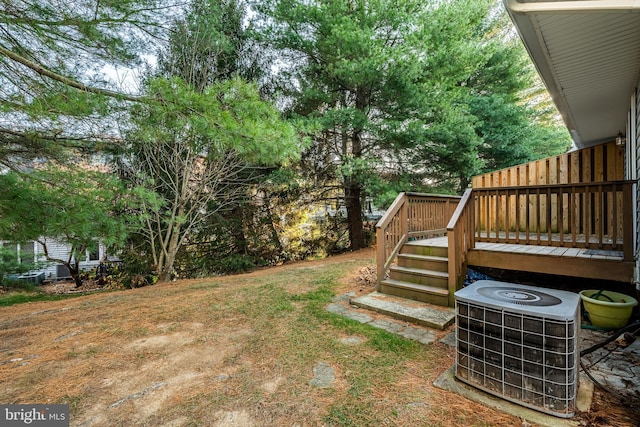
581,230
573,262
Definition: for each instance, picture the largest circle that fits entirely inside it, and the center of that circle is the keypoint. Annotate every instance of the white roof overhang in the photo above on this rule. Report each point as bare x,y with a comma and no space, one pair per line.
588,55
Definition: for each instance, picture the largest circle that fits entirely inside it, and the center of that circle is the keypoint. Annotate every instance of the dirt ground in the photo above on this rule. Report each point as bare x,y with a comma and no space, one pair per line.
198,352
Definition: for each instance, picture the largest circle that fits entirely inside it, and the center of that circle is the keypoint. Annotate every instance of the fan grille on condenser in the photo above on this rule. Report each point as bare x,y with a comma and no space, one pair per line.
519,296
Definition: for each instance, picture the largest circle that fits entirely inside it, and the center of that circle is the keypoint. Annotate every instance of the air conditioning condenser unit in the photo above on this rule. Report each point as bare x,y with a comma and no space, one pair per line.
520,343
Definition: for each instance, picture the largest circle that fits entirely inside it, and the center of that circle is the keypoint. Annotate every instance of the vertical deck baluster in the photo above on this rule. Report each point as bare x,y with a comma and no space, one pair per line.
478,211
560,196
507,218
600,197
549,217
614,217
538,226
587,218
487,223
517,220
527,214
573,206
422,216
497,216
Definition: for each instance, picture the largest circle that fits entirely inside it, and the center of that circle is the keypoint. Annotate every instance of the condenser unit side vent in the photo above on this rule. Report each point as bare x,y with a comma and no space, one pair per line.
520,343
62,272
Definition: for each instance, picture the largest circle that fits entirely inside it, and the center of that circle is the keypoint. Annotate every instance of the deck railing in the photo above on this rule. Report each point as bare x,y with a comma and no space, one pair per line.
586,215
410,216
461,239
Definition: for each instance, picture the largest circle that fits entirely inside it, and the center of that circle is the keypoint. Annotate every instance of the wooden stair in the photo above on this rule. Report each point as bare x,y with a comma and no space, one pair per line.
421,274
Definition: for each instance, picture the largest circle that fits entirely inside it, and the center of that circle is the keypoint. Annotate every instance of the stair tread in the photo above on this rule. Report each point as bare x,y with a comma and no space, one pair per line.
426,314
424,257
424,242
419,248
420,271
420,288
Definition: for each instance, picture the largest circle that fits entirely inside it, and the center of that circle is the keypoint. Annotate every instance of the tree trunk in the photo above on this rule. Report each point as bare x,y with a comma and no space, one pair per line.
74,272
275,238
352,193
164,274
73,267
353,190
239,238
465,181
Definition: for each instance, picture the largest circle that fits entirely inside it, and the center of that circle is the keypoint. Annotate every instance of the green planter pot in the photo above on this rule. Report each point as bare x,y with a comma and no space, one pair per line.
607,309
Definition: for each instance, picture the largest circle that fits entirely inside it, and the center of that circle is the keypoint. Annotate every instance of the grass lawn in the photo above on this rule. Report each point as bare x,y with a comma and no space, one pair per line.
229,351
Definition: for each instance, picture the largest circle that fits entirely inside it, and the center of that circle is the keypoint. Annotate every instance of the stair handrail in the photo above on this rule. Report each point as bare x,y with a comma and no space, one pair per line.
461,239
395,215
408,217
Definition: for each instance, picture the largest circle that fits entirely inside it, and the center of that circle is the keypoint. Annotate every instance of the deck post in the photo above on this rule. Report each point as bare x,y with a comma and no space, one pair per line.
404,219
459,231
453,266
380,256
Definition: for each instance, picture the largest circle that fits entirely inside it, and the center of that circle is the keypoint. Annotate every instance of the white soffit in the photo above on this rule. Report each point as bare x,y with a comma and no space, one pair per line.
588,54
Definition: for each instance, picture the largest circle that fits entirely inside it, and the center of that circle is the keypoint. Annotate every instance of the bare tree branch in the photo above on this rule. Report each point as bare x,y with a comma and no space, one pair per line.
65,80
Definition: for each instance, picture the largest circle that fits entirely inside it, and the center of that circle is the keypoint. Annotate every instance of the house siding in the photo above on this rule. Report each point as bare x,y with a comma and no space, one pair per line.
60,250
56,250
634,140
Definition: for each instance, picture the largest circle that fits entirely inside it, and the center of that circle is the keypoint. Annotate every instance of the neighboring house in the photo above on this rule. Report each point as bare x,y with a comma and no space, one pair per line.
32,252
574,215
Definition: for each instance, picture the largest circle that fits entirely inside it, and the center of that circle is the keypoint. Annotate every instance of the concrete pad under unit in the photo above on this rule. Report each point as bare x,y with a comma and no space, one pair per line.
447,381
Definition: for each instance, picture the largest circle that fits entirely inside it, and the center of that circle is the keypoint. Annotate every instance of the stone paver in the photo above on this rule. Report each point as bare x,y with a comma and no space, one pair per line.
411,311
417,334
412,332
615,367
351,340
449,339
336,308
323,376
388,326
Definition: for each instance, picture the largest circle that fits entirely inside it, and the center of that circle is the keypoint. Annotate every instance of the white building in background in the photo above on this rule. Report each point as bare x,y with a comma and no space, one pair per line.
32,252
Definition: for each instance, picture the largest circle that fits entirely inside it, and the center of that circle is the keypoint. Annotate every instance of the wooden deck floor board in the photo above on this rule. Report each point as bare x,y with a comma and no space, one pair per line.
559,251
556,251
575,262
